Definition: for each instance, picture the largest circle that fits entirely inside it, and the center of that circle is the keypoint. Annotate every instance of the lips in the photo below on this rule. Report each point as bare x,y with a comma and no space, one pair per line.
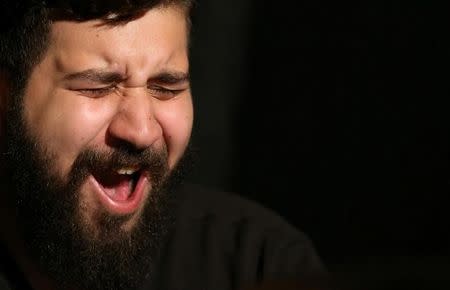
121,191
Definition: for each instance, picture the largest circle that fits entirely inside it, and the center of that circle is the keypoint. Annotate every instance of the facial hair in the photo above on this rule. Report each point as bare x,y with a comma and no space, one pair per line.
50,221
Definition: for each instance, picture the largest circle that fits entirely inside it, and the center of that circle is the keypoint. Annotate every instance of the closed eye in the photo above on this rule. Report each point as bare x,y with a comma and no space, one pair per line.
97,92
164,93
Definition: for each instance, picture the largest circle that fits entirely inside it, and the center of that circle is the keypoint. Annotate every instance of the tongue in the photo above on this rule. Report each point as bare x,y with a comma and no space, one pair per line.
119,189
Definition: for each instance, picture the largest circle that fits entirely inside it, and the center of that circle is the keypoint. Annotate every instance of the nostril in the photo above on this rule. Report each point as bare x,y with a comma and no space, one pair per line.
123,145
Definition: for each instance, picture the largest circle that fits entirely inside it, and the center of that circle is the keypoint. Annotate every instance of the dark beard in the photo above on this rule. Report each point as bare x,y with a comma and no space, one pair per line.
55,234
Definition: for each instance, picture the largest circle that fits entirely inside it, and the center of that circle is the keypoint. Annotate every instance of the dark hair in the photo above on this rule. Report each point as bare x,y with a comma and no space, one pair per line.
25,26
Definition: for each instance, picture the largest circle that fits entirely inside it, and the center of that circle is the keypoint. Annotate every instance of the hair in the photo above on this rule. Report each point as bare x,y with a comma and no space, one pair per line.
25,26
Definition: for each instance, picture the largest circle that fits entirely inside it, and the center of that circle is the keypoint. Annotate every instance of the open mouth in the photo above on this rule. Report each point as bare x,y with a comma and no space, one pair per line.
119,184
122,189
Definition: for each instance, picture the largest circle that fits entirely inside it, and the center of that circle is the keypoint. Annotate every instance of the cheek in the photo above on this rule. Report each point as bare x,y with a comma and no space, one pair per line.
176,121
66,125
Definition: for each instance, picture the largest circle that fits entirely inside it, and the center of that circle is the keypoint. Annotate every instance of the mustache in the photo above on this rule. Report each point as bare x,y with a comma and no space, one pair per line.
92,160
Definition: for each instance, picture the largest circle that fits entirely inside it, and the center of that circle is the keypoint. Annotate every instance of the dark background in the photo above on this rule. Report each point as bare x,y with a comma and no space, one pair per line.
335,115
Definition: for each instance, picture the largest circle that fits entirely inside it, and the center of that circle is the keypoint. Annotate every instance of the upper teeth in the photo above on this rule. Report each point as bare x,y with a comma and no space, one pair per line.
126,171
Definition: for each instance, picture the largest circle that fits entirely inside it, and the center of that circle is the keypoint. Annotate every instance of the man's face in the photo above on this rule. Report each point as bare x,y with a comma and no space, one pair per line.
102,88
108,115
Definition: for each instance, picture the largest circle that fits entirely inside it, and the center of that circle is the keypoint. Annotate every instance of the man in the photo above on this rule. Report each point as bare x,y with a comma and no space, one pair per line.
96,116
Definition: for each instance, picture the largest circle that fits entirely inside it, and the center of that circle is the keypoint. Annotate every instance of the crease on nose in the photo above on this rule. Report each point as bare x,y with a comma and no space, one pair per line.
135,124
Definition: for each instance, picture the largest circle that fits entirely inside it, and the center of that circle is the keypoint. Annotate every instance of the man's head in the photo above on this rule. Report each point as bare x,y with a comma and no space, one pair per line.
96,114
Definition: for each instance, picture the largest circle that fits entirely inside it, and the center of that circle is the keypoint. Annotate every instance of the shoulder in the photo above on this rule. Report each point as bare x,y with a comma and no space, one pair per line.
221,239
245,229
200,202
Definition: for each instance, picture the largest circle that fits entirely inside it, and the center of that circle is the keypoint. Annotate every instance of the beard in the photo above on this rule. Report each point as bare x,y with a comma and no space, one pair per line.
76,252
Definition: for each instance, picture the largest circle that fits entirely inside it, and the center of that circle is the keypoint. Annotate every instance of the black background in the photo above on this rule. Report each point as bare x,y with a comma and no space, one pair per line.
335,115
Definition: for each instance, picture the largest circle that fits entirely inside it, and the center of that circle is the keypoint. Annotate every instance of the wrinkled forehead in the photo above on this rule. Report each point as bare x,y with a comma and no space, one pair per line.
158,35
160,23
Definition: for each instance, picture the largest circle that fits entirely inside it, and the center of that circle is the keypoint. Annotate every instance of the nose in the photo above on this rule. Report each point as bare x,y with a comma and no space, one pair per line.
134,123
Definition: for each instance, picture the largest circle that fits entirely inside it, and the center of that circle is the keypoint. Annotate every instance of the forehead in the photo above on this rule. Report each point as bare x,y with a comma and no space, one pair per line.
160,35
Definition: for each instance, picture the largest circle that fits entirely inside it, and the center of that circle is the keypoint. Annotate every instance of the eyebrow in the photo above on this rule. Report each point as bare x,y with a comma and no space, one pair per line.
96,76
102,76
170,77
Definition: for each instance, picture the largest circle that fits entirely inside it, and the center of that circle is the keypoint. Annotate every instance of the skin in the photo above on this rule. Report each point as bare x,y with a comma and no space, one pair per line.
145,100
138,105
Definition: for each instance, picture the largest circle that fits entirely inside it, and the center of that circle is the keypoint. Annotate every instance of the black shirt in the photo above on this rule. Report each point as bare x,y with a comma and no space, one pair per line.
222,242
